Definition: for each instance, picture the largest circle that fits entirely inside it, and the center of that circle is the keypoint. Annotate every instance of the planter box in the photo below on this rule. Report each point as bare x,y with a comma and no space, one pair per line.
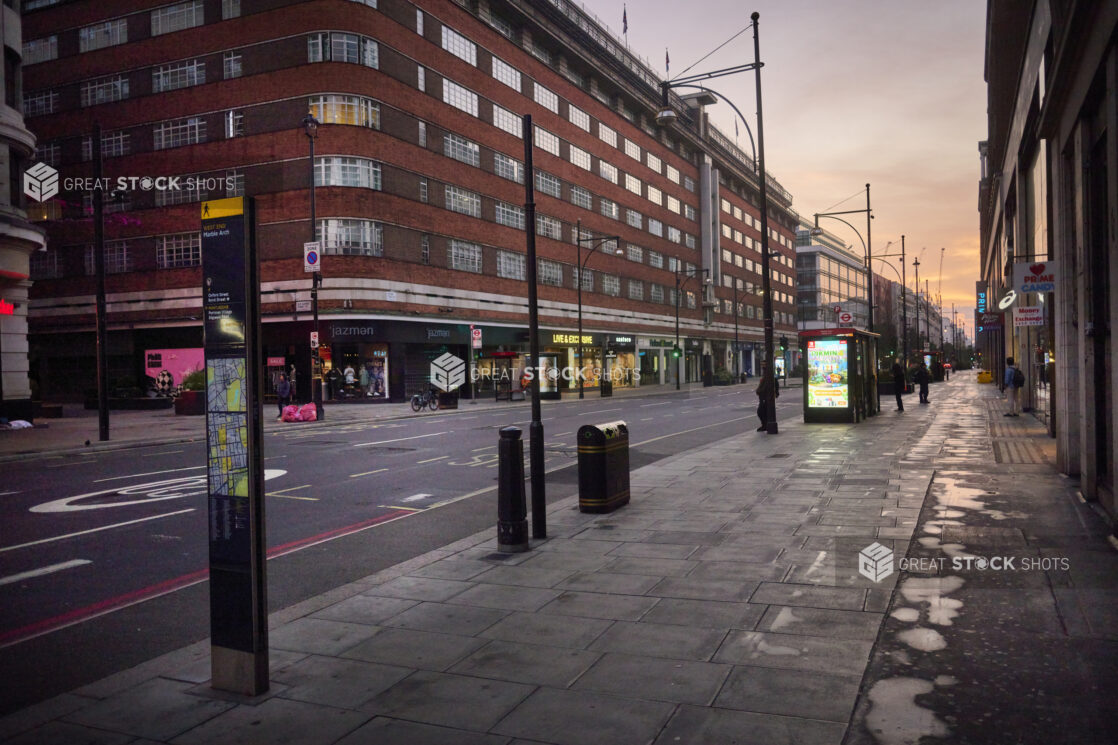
191,403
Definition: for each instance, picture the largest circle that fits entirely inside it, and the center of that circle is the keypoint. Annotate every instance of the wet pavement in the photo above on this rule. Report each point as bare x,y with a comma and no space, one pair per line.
798,588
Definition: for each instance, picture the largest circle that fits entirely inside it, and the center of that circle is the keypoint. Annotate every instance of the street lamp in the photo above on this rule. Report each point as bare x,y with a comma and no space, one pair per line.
867,247
310,128
919,346
666,116
596,243
904,298
681,279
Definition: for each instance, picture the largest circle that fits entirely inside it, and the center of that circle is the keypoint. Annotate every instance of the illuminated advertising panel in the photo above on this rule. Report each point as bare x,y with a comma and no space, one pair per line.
828,385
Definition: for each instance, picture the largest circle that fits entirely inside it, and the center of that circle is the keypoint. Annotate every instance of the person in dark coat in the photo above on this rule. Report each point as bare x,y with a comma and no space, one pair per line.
283,393
767,391
922,377
898,383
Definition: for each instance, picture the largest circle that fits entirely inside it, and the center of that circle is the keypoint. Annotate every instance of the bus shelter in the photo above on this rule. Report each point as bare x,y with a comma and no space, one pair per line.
840,375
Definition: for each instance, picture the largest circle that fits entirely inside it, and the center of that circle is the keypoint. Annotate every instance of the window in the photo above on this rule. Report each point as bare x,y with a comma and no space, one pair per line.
726,207
502,26
580,157
633,184
465,257
689,212
548,184
580,197
232,9
506,73
40,50
655,195
49,153
634,218
113,144
104,90
688,240
180,132
673,174
673,204
510,215
673,264
178,250
549,272
44,265
636,289
117,258
100,35
610,209
578,117
737,212
419,21
425,249
423,189
547,99
176,17
463,201
688,184
511,265
549,227
459,97
508,121
351,237
656,293
611,285
234,184
178,75
190,191
656,259
607,135
654,162
586,276
727,231
336,170
232,65
690,300
608,172
674,235
633,150
546,141
509,168
421,79
655,227
459,148
737,236
727,256
340,109
459,46
39,103
338,47
422,134
234,123
634,253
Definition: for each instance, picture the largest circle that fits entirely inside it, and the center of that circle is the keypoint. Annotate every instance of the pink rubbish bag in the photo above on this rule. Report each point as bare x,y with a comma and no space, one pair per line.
307,413
291,414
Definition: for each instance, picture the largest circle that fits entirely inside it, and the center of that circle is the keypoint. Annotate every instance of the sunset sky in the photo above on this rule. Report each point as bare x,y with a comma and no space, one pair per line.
885,92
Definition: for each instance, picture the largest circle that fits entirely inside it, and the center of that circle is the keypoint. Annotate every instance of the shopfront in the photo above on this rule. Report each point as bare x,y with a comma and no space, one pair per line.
656,362
622,361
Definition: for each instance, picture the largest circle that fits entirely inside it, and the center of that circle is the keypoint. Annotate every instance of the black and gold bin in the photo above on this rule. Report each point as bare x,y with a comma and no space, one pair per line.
603,467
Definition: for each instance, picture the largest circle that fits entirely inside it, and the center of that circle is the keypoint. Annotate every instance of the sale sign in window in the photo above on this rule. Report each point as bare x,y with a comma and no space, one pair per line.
828,384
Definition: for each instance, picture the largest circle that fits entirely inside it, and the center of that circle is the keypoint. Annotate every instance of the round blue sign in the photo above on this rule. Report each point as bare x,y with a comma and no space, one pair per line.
312,257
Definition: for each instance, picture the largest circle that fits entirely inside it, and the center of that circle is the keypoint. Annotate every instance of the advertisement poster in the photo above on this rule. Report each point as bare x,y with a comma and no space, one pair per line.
828,384
177,362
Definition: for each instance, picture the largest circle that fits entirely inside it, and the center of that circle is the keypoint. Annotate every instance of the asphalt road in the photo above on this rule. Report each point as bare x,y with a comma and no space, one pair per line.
103,556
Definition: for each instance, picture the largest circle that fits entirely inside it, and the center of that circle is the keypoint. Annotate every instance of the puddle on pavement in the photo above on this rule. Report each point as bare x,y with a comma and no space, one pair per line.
895,718
925,640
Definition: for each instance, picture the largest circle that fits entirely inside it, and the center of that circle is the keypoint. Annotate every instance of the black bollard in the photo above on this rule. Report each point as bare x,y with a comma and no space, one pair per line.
512,510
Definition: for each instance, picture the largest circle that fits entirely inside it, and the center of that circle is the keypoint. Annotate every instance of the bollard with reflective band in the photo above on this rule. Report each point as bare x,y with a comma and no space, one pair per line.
603,467
512,509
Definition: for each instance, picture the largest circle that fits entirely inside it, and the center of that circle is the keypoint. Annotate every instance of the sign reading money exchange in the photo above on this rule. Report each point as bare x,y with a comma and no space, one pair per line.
234,467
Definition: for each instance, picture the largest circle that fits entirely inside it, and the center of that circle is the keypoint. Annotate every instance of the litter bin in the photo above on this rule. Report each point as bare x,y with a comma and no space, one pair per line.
606,387
603,466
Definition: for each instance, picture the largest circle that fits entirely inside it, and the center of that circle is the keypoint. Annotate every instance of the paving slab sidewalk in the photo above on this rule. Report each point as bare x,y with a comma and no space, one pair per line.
724,604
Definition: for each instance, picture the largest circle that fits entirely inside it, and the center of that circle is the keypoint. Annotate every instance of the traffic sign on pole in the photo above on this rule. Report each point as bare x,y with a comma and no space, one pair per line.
314,340
312,257
475,335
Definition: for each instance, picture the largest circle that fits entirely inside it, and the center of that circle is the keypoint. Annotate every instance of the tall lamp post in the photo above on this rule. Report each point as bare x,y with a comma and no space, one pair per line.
681,279
904,298
667,116
919,346
595,242
310,127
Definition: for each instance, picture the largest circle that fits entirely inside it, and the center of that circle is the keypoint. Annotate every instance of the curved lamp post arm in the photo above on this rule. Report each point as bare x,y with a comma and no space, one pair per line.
748,131
847,224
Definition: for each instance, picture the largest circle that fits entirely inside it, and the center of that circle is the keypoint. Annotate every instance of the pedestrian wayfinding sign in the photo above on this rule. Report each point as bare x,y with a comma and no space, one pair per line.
828,384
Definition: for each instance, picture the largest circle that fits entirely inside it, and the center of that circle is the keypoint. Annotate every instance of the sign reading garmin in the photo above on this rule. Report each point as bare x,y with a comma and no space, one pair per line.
1034,276
448,372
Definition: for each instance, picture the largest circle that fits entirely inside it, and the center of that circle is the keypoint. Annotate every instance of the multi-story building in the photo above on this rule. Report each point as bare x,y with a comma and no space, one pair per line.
831,280
419,198
19,239
1047,194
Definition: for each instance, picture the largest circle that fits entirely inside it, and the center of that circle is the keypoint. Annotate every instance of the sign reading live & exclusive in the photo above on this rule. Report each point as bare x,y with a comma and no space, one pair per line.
234,466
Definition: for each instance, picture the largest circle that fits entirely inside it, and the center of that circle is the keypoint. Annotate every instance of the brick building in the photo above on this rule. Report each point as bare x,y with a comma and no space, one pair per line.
419,196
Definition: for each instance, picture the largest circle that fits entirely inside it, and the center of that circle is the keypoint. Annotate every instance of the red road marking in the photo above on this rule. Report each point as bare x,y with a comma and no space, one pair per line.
103,607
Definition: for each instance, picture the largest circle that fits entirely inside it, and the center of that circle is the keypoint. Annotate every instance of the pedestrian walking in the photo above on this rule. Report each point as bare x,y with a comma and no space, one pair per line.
767,392
283,393
898,383
921,378
1014,379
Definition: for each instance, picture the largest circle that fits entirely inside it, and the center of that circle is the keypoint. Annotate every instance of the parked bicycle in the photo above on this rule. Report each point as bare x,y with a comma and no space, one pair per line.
429,399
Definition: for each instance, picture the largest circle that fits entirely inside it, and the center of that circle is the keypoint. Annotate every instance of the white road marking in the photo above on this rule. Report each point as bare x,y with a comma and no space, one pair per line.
6,493
165,452
156,491
663,403
599,411
415,497
430,460
150,473
399,439
367,473
93,530
45,570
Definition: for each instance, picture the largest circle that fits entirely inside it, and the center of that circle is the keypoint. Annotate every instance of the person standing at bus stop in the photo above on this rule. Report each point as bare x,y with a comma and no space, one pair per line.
766,392
898,383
